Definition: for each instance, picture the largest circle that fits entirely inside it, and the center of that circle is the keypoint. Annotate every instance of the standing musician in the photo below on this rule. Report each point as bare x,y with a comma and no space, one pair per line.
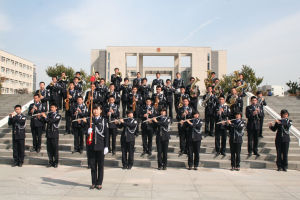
114,93
52,120
95,96
184,113
213,78
217,89
222,114
18,122
144,90
159,99
63,82
135,101
55,90
261,102
194,92
70,96
179,98
157,82
116,79
79,110
112,113
169,90
44,95
253,126
80,79
102,88
126,89
78,85
97,79
178,82
235,103
36,123
210,102
137,82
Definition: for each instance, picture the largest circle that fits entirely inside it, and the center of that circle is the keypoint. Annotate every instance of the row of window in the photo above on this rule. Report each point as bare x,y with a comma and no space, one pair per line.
13,72
15,63
21,83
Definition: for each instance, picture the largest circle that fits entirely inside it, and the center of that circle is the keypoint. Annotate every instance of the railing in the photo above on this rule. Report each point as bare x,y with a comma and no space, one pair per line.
275,115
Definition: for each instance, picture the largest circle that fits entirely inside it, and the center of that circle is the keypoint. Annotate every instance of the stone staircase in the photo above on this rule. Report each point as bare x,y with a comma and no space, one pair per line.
207,156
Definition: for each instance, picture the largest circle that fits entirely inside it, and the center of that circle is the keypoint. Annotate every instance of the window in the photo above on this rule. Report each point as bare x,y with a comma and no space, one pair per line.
208,67
12,62
3,69
208,57
11,90
6,90
16,63
3,59
20,65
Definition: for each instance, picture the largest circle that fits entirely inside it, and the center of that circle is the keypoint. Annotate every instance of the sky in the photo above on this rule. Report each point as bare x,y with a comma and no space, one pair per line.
264,34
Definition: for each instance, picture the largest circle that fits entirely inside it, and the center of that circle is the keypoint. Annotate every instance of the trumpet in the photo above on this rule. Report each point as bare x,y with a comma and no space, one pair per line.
119,74
51,84
65,78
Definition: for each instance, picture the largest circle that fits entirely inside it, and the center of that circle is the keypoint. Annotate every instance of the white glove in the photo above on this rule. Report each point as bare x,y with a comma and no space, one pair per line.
105,150
90,130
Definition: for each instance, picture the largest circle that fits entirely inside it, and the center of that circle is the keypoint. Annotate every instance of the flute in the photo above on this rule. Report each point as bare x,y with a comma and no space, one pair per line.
225,121
149,119
184,120
75,120
37,114
117,120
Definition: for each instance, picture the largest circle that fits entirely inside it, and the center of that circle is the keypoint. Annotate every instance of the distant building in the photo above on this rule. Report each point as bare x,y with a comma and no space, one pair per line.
19,73
275,90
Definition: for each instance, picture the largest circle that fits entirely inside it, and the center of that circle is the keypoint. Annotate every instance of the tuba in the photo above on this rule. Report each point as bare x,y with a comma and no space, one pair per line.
232,100
208,81
193,90
204,103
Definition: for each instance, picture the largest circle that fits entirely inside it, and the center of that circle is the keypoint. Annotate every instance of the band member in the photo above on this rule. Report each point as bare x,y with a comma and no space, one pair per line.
137,82
157,82
52,120
159,99
169,90
282,139
210,102
63,82
162,138
126,89
241,92
147,112
55,91
112,113
253,126
135,101
222,113
178,82
184,113
116,79
77,85
236,132
179,98
97,79
144,90
235,102
128,139
44,95
114,93
194,138
102,88
79,110
80,79
194,92
18,122
217,89
261,102
36,122
89,96
99,146
71,96
213,78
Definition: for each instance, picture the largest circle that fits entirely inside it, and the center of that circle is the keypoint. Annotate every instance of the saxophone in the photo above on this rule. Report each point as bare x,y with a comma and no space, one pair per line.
156,102
180,102
133,103
193,90
67,100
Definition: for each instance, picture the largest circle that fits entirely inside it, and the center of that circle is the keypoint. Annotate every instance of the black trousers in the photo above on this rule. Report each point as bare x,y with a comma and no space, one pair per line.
125,106
235,150
253,141
220,134
162,152
261,126
60,102
147,135
127,153
52,150
36,137
182,138
194,103
209,124
68,117
97,166
78,133
112,135
18,150
170,108
56,100
193,153
282,149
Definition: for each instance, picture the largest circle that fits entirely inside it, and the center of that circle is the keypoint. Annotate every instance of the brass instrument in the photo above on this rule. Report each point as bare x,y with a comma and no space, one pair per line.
156,102
180,102
193,90
235,78
232,100
51,84
119,74
217,89
204,103
240,88
65,78
133,103
40,94
67,100
208,81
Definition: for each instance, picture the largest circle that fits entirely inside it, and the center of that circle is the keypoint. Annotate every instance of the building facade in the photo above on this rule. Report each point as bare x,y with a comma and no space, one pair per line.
20,74
201,60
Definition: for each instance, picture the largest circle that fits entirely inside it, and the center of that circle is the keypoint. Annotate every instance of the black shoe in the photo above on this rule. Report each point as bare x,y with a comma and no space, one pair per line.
92,187
150,153
20,164
109,151
142,154
218,153
49,165
223,154
15,164
190,168
232,168
124,167
32,150
237,169
195,168
99,187
284,169
279,169
257,154
180,153
249,154
89,167
261,136
38,150
74,151
55,165
80,151
159,168
113,153
164,168
129,167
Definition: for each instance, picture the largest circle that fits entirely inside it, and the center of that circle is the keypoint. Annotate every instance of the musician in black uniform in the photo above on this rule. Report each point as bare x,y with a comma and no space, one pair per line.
128,139
282,139
55,90
36,122
162,138
44,95
222,114
52,120
144,90
126,89
261,102
210,102
79,110
134,96
137,82
102,89
63,82
98,147
184,113
88,96
97,79
194,138
147,112
178,82
78,85
253,126
235,102
114,93
159,99
179,97
193,92
157,82
236,132
18,122
112,113
71,95
241,92
169,90
116,79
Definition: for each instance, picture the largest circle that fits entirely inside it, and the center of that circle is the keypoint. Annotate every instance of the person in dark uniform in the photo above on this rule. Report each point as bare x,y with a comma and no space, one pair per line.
114,93
63,82
261,102
169,90
236,132
135,102
137,82
210,102
55,90
157,82
222,113
235,103
112,113
18,122
79,110
193,92
128,139
44,95
253,126
126,89
97,80
144,90
116,79
88,96
52,120
71,95
36,123
282,139
98,147
147,112
184,113
78,85
178,82
102,89
194,140
162,138
179,98
159,99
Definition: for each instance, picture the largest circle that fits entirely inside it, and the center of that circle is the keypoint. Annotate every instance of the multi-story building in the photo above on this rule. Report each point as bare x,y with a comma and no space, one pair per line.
18,72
